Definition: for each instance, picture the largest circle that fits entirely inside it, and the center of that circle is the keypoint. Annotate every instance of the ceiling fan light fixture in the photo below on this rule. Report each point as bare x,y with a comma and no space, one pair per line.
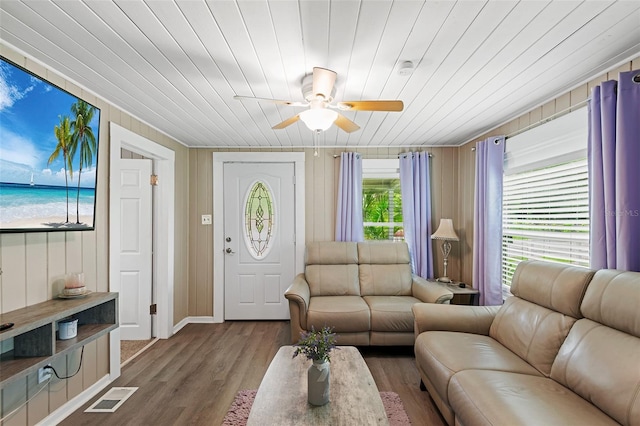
318,90
318,118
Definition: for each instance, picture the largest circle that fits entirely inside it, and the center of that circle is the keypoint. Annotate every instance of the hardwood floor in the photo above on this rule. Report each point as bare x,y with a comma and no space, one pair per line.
193,377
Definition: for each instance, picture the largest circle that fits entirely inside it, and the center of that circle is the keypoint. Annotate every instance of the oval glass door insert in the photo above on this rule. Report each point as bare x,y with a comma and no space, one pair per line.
259,219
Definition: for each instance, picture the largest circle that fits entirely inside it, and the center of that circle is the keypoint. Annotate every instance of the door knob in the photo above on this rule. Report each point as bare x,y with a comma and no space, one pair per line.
228,250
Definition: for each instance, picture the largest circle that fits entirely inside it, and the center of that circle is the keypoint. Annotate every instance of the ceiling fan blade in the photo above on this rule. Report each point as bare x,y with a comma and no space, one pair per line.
345,124
371,105
323,81
287,122
275,101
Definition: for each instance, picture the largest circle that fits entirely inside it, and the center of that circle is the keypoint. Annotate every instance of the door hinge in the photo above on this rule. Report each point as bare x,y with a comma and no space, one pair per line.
153,309
153,180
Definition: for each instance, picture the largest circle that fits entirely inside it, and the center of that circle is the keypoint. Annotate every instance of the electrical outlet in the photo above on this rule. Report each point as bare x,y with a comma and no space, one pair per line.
206,219
44,374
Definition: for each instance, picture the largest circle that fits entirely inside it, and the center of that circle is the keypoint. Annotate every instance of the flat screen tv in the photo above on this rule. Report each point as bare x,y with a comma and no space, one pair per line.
48,155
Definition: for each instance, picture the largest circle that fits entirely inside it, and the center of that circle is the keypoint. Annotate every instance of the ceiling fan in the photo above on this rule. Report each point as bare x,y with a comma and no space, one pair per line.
318,90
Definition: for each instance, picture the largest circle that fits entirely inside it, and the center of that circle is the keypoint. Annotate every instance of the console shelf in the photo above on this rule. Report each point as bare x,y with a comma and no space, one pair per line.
34,333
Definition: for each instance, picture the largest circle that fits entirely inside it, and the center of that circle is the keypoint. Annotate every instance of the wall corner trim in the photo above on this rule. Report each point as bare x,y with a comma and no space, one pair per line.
194,320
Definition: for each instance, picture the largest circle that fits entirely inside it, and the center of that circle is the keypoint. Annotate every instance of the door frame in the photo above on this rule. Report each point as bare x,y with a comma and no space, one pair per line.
219,158
163,227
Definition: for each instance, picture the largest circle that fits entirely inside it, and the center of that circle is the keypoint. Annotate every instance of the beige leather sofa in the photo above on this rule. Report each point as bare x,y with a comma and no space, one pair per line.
564,350
365,291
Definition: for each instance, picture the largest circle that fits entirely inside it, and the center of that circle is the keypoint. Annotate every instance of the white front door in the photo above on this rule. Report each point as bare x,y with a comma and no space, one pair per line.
259,239
135,249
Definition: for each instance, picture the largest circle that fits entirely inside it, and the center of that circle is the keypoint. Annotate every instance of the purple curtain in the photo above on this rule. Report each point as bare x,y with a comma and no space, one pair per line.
349,226
487,220
614,174
415,186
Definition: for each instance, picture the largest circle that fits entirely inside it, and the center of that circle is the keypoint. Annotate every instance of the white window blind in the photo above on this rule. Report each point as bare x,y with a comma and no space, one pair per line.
546,216
557,141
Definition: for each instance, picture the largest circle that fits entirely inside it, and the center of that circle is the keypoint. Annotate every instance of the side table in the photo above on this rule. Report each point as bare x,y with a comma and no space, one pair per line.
455,288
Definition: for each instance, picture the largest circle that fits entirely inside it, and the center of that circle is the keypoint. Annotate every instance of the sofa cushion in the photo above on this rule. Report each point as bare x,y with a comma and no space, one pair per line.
599,358
383,253
391,313
518,399
385,280
552,285
532,332
332,280
332,268
602,365
612,299
343,313
331,253
441,354
534,323
385,268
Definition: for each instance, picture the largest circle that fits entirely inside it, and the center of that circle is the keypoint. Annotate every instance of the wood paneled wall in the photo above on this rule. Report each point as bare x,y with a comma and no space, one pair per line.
564,103
33,264
321,179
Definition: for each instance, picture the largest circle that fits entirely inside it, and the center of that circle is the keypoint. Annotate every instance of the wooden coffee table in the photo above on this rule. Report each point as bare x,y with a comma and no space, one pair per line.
282,395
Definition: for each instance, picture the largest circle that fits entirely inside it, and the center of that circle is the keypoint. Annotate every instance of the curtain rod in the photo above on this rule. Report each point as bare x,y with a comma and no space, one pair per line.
546,120
550,118
338,156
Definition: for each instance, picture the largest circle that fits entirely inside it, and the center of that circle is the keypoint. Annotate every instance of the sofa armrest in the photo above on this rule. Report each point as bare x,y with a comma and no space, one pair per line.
298,295
464,319
430,292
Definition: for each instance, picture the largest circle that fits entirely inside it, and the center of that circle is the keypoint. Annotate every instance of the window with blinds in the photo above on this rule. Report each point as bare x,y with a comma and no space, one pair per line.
546,216
382,200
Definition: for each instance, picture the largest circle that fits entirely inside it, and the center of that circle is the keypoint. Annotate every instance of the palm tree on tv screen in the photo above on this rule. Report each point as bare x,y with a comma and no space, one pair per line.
82,137
63,135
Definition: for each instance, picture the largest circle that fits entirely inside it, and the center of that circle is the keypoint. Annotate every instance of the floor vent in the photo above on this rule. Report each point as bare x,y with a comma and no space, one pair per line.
111,401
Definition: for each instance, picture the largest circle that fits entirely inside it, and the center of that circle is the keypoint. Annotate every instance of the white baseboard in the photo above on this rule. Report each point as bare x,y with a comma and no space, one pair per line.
75,403
78,401
193,320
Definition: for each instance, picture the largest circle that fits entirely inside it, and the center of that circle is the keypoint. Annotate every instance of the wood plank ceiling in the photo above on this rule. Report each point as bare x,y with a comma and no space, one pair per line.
176,65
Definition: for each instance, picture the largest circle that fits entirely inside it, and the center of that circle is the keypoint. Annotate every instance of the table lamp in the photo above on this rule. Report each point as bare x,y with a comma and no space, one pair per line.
446,233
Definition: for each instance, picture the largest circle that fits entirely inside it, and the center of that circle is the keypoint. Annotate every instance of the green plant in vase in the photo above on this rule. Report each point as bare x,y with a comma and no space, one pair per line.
317,346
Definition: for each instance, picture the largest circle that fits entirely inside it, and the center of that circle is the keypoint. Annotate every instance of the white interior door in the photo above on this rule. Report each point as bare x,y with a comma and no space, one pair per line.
135,249
259,224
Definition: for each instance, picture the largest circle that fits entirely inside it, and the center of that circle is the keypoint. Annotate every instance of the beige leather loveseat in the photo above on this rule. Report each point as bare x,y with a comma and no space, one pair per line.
564,350
365,291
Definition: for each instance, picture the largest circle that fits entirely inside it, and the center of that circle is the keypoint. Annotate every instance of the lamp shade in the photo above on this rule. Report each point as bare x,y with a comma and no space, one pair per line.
318,118
445,231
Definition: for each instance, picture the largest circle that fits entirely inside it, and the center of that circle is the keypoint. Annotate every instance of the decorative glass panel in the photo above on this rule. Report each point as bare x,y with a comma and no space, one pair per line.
259,219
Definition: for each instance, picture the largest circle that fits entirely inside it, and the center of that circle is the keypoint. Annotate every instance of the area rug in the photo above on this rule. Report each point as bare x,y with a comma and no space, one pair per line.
129,349
239,411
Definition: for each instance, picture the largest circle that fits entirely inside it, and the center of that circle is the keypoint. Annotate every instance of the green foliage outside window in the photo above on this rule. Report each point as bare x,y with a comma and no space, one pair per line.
382,202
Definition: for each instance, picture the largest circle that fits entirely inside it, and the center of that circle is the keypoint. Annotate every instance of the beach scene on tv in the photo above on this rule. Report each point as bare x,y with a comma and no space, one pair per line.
48,155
